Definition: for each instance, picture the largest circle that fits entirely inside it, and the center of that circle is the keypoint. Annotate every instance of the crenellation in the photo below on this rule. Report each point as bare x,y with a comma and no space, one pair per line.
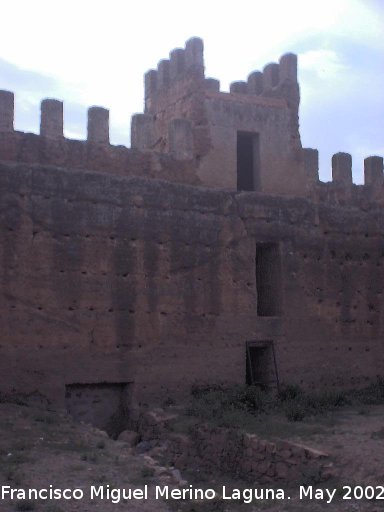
150,84
7,111
311,164
288,67
98,125
373,171
180,142
342,168
255,82
177,64
142,136
270,76
163,73
194,54
212,84
213,229
51,121
238,87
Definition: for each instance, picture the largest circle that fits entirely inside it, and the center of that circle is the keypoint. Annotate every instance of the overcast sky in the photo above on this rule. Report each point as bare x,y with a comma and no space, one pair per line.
95,53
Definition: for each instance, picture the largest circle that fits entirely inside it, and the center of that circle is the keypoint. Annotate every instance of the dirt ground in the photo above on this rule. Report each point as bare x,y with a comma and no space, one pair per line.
40,448
355,439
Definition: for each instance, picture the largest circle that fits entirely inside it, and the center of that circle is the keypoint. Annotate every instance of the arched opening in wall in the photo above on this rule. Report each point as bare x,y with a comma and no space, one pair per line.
248,161
261,368
104,405
268,279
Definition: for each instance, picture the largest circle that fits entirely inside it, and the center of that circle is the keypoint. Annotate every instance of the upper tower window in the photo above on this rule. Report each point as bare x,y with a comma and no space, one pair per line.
248,161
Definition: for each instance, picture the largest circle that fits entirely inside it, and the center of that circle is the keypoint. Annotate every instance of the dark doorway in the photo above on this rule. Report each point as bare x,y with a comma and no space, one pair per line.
261,367
268,279
103,405
248,161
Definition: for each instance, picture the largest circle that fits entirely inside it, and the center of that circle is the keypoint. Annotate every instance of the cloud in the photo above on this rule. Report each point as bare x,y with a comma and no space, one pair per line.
342,106
325,64
30,88
89,53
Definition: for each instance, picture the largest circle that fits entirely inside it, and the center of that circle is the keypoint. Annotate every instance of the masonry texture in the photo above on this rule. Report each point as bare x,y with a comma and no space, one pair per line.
235,452
137,267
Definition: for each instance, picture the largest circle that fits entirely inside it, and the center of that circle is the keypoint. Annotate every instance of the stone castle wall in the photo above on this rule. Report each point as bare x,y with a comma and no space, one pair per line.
138,267
130,280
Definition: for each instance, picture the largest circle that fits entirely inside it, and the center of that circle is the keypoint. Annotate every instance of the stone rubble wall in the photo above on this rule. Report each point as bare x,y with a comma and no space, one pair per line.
240,454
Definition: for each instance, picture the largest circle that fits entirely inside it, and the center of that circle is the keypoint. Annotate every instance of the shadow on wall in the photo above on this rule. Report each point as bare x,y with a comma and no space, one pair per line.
103,405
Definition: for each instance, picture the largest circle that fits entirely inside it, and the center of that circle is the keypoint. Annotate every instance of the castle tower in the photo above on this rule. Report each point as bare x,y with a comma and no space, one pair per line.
247,139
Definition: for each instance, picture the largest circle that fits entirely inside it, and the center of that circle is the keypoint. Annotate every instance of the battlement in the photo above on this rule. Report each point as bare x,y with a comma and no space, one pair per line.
154,271
95,153
191,132
188,63
341,189
52,119
342,168
183,73
183,64
273,76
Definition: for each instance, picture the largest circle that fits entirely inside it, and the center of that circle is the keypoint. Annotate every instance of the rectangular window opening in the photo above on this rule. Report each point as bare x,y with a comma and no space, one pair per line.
268,279
248,161
261,367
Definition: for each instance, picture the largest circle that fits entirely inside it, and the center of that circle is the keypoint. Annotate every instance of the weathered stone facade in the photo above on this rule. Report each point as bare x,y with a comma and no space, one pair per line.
150,268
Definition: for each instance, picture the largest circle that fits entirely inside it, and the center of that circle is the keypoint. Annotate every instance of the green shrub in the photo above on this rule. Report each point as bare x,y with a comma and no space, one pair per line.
252,398
230,405
289,392
211,402
371,395
295,411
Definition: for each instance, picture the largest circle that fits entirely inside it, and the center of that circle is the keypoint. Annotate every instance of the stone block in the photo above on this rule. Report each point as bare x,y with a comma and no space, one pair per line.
163,75
177,63
270,76
311,164
342,168
373,171
194,54
211,84
98,125
255,83
288,67
51,120
238,87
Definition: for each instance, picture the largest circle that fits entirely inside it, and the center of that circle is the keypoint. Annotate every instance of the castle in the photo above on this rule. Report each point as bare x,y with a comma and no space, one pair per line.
207,252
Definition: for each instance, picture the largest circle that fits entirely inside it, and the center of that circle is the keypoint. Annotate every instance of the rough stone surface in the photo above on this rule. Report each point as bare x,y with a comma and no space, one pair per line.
248,457
138,270
152,283
128,436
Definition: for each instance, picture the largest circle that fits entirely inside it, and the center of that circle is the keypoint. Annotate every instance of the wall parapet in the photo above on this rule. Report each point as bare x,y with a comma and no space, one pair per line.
273,76
373,171
175,132
341,190
183,64
52,119
51,147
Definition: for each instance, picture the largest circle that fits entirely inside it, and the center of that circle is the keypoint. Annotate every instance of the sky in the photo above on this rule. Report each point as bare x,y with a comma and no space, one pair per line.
96,53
